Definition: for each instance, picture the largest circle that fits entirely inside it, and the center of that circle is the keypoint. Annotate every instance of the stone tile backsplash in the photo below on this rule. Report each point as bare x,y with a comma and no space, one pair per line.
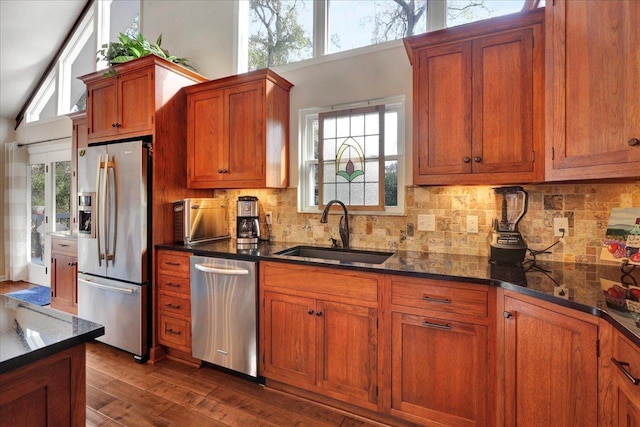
585,205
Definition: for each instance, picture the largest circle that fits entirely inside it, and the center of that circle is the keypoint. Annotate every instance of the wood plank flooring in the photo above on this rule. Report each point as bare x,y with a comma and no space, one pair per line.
121,392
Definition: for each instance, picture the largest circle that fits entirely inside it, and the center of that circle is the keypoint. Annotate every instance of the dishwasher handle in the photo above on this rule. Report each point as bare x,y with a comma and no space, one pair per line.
226,271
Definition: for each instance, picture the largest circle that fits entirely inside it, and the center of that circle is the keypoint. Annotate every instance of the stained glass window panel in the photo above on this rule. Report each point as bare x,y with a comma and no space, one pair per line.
350,147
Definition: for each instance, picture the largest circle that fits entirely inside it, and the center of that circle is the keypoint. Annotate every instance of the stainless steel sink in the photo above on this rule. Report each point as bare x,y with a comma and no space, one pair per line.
337,254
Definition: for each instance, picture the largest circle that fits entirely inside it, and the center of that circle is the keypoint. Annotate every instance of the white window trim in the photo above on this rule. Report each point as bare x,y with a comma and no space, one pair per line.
42,97
305,161
68,57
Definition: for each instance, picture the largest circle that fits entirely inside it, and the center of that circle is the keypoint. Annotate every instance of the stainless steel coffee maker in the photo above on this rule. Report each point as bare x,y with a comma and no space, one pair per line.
247,224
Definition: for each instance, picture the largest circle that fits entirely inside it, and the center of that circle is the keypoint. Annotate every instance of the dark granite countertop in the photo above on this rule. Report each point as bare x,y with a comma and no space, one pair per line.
29,332
577,286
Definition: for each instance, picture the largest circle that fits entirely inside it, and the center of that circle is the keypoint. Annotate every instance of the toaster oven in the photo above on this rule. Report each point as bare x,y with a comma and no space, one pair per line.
200,220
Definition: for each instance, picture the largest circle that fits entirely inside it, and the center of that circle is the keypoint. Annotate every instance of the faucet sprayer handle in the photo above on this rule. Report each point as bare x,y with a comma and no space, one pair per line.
334,242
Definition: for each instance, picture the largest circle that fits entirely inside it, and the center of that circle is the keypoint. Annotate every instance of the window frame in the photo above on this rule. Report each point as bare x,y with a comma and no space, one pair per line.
307,162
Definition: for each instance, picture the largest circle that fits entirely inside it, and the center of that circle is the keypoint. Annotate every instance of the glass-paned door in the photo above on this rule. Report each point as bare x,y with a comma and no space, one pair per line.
49,195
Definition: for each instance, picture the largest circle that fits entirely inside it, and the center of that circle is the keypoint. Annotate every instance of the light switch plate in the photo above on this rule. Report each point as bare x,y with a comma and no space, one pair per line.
426,223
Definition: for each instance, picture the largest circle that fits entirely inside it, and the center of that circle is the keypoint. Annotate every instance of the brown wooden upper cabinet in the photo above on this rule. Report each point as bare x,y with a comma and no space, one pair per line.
124,104
238,132
593,89
478,104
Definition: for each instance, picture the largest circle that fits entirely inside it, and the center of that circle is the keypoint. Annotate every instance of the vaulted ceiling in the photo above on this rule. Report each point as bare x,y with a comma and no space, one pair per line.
31,33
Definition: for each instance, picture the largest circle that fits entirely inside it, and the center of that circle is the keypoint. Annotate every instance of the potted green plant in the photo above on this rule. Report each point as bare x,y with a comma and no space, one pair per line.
128,48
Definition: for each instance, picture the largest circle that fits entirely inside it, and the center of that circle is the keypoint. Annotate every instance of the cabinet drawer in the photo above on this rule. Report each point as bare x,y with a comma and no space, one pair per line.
450,297
65,246
321,280
625,352
175,262
174,305
177,284
174,332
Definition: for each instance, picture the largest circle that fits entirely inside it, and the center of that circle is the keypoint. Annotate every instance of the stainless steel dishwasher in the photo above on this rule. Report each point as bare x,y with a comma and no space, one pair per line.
223,313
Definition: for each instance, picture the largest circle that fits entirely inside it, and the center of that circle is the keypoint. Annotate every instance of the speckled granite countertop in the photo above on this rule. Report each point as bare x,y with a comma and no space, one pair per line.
29,332
583,282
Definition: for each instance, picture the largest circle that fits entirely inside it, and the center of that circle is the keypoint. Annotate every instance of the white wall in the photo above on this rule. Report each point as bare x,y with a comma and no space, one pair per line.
204,31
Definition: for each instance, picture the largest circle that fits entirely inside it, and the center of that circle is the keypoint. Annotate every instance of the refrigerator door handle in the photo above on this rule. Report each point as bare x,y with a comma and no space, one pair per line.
107,287
113,211
97,209
103,208
227,271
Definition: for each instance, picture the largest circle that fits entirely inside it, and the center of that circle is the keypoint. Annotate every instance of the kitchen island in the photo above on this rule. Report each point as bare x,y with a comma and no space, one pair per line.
42,364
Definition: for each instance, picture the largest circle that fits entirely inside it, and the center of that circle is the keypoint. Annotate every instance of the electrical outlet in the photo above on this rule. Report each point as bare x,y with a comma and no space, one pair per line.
426,223
559,223
562,292
268,217
472,224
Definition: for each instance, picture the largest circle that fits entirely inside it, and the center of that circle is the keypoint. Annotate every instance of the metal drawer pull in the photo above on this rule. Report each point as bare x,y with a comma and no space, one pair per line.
172,332
175,307
438,300
436,325
621,366
62,245
175,264
173,285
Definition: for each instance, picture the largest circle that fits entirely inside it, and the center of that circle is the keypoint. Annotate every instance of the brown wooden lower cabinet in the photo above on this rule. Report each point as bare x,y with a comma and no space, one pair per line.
318,338
550,364
173,305
64,274
442,352
619,379
48,392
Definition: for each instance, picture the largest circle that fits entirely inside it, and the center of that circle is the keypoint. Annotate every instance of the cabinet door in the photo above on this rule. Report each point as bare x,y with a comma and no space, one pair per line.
503,113
439,370
290,339
348,346
64,291
205,139
102,108
593,109
244,126
135,102
553,357
442,141
628,406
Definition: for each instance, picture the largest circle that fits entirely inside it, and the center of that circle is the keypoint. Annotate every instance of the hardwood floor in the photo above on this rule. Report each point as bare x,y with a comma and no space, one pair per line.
7,287
123,393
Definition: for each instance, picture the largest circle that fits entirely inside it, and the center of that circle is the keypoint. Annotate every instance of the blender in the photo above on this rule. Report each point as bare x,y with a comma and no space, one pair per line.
507,244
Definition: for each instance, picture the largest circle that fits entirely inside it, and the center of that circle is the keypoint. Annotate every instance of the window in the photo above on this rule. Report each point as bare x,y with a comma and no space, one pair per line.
62,92
278,32
353,153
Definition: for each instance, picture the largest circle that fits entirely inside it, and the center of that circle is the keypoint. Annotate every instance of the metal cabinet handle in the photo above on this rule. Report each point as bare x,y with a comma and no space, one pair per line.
63,245
175,307
71,264
172,332
173,285
506,314
175,264
436,300
477,159
318,313
633,142
310,311
113,125
621,366
466,159
446,326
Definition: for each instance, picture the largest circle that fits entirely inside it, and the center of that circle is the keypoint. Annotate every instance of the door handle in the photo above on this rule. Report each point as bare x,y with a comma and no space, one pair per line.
106,287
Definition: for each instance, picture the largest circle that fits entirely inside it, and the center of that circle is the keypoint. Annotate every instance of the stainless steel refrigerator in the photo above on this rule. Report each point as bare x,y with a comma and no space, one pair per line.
113,252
